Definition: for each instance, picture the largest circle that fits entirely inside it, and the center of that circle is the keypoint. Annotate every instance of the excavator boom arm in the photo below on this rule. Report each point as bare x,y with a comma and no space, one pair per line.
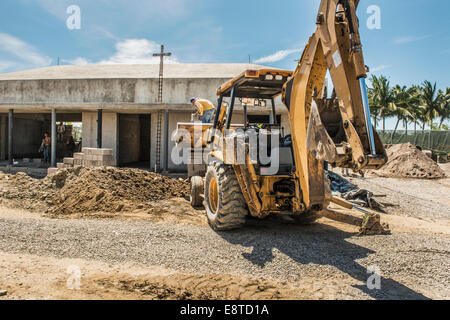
335,47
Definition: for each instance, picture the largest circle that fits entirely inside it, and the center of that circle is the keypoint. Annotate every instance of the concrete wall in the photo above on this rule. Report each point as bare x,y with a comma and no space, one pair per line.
109,132
89,129
3,137
75,93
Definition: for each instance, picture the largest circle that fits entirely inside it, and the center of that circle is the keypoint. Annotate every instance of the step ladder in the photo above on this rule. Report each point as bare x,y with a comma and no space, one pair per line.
158,141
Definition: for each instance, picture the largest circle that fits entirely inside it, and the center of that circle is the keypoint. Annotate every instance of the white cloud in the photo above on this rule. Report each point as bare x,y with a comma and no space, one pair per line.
23,51
409,39
277,56
130,51
380,68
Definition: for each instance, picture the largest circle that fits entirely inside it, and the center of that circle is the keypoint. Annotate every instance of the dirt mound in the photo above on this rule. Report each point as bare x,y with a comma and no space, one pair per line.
406,161
25,192
88,190
112,190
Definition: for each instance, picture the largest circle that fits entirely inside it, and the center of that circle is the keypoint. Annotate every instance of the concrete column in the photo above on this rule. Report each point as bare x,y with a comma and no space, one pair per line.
99,128
10,135
3,135
166,141
150,143
53,136
110,132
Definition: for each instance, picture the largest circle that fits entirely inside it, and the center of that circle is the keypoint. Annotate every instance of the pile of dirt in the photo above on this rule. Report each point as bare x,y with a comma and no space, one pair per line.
406,161
87,190
112,190
25,192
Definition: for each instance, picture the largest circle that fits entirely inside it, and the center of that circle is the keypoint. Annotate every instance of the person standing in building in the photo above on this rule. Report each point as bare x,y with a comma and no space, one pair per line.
46,146
60,131
205,109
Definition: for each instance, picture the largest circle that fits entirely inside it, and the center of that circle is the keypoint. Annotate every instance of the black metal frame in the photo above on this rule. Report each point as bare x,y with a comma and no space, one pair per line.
274,112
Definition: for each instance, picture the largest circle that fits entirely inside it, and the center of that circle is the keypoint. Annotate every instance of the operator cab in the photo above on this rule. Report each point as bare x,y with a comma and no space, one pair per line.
259,88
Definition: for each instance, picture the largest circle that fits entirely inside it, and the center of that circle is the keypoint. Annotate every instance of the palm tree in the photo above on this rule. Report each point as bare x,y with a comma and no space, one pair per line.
381,95
416,110
431,101
444,110
415,107
403,101
374,107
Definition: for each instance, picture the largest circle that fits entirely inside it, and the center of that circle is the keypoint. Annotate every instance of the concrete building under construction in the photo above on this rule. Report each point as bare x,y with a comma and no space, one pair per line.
116,105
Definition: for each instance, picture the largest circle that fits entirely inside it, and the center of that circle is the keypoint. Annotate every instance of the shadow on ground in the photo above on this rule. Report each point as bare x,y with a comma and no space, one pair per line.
318,244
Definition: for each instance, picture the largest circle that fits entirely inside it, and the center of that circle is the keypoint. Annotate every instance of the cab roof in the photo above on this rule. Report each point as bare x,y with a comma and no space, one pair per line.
258,84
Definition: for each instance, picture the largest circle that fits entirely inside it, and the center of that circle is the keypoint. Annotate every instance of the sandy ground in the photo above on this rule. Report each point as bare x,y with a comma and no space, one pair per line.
27,276
135,257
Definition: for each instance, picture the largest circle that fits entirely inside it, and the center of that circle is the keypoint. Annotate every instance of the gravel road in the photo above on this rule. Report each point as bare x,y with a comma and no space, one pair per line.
412,265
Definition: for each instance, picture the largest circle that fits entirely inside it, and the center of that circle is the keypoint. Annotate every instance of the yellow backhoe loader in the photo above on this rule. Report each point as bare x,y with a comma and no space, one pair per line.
236,182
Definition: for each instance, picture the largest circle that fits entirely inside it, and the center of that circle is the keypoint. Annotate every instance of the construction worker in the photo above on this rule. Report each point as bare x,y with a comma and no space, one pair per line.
46,146
205,109
60,129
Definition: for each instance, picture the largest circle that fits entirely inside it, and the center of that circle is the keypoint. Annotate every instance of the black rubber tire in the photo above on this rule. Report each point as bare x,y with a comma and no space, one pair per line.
306,218
231,208
196,191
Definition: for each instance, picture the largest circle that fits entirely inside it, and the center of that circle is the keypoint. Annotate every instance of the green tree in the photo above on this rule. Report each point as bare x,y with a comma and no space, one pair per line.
374,107
381,96
444,110
414,107
403,101
431,100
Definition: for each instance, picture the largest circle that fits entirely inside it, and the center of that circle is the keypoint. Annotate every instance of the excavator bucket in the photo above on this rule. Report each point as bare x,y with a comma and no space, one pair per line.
318,142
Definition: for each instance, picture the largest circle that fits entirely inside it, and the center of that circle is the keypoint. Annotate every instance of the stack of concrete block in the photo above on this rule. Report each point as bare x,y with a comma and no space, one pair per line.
51,171
93,157
90,157
67,163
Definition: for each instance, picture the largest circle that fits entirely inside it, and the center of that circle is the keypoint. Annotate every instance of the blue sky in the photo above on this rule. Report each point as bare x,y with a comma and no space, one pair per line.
412,45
